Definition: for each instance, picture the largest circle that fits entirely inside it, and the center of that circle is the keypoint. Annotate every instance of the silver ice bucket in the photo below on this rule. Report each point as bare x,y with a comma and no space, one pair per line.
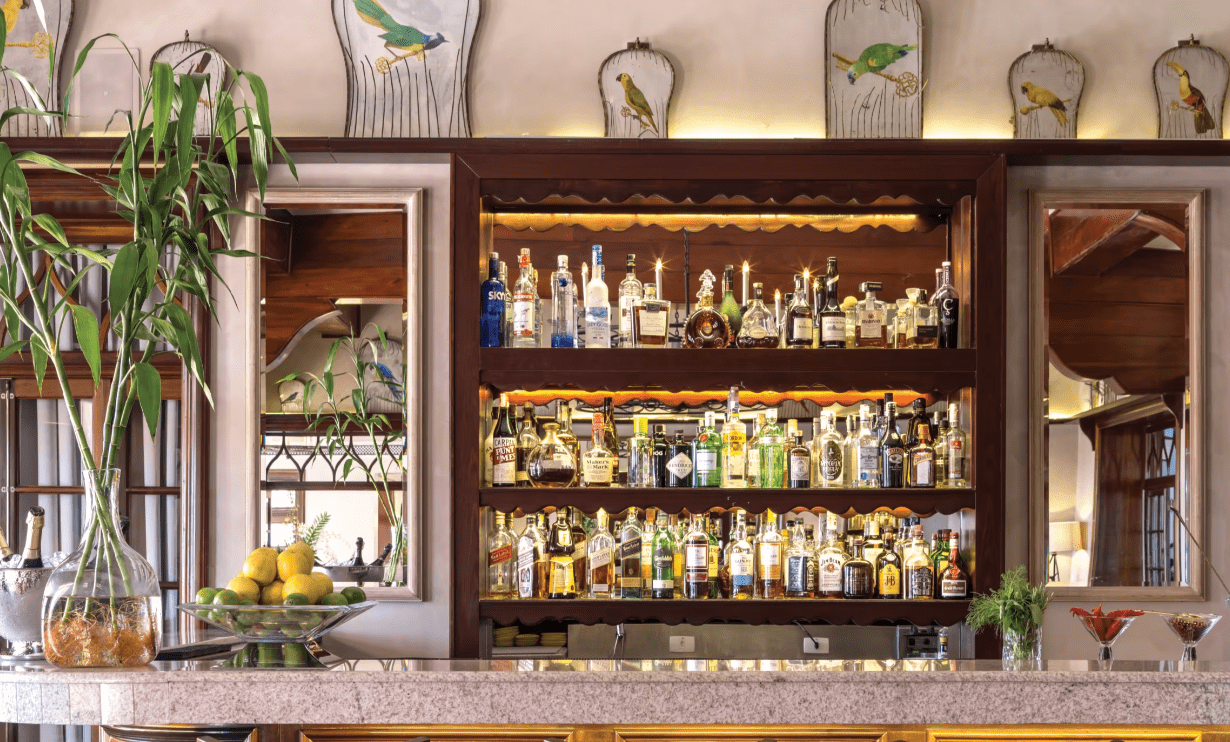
21,610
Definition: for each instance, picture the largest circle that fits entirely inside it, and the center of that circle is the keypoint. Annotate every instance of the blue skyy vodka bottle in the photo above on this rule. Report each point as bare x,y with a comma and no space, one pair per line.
491,311
563,306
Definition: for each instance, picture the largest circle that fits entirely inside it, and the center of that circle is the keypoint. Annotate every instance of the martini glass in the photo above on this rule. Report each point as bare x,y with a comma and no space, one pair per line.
1191,628
1105,631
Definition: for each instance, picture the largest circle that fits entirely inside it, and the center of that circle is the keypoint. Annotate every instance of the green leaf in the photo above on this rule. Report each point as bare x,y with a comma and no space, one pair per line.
12,348
85,324
149,393
39,355
51,227
258,149
226,131
4,35
189,91
124,276
163,93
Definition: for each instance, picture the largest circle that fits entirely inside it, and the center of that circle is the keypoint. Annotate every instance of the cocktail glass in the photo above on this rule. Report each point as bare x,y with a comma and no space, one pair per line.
1191,628
1105,631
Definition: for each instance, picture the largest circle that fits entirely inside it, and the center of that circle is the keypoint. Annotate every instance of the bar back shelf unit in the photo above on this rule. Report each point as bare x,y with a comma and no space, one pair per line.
888,218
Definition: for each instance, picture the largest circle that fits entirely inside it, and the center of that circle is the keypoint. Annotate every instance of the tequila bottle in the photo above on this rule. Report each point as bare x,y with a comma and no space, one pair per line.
501,577
525,295
956,443
799,317
494,297
832,317
948,304
888,570
829,562
600,560
872,318
533,575
769,552
631,292
772,453
921,472
630,556
759,326
679,463
706,327
563,306
830,455
598,462
707,455
640,454
663,586
730,307
741,560
597,307
734,444
892,450
753,452
651,319
799,464
696,561
867,448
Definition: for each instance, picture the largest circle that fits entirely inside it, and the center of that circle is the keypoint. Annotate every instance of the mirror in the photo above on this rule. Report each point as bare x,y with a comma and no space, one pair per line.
1116,321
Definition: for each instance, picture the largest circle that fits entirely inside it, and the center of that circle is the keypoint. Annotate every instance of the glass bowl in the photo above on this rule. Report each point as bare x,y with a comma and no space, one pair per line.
276,624
1105,630
1190,628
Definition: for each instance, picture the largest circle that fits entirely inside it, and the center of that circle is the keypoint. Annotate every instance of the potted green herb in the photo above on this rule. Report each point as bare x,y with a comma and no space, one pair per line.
1016,610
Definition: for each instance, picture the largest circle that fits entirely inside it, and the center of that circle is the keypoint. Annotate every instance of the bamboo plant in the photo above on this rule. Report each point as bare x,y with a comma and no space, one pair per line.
176,191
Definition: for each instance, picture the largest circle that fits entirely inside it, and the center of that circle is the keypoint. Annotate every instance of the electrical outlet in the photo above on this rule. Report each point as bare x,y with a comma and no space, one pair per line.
683,644
819,645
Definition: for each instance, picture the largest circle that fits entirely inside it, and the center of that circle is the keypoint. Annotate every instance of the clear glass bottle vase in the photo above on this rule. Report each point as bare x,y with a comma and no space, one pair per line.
102,606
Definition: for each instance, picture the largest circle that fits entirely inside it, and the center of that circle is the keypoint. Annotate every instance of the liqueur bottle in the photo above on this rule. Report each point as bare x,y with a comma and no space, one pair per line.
919,579
563,306
707,455
872,314
772,454
832,317
631,292
597,307
501,578
491,311
527,441
663,586
560,558
830,560
734,444
630,539
830,455
504,448
679,465
533,575
640,454
948,304
956,443
799,317
600,560
753,452
954,580
696,561
892,450
799,464
598,462
741,559
525,295
867,448
921,472
651,319
759,327
857,575
660,456
730,307
706,327
888,570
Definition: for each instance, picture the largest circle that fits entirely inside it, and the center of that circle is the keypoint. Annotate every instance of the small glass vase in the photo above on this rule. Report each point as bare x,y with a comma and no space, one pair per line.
1023,650
102,606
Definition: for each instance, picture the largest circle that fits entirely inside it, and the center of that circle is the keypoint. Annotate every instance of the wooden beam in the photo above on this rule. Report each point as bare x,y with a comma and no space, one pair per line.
1082,242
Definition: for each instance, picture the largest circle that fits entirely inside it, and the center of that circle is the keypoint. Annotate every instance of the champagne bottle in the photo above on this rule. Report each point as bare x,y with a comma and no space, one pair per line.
32,557
6,551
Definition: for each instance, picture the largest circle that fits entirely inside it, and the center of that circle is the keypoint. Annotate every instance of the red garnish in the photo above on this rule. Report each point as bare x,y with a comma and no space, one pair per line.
1106,626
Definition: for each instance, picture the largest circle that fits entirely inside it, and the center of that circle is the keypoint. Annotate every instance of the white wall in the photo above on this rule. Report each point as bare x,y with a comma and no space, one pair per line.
744,69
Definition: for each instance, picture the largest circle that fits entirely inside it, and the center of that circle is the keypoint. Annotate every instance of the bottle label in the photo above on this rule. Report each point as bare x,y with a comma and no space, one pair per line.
598,327
626,305
956,464
680,466
499,555
697,561
796,574
890,581
830,574
652,321
599,558
868,461
504,461
630,583
523,315
596,470
831,461
578,549
770,562
706,462
741,570
714,555
600,587
801,328
663,584
523,476
869,324
631,549
895,456
920,582
563,580
753,463
800,468
525,581
758,332
952,588
922,473
948,312
833,329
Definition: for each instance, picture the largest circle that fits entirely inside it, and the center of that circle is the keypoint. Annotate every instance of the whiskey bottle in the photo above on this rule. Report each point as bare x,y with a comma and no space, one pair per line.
829,562
563,306
600,560
772,454
857,574
504,448
867,447
956,443
706,327
696,561
597,307
830,455
559,556
525,294
730,308
640,454
919,579
799,317
872,318
832,317
769,551
954,580
948,304
679,465
800,579
631,292
630,557
660,456
707,455
892,450
715,558
734,443
758,328
491,316
873,547
651,319
741,559
527,441
533,575
926,322
753,452
610,437
663,586
501,579
921,472
799,458
580,550
888,570
597,463
649,533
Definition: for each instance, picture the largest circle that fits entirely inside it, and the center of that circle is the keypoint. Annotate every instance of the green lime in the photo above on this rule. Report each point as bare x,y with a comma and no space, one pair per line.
294,655
335,599
205,596
311,621
268,655
227,597
292,632
296,599
354,594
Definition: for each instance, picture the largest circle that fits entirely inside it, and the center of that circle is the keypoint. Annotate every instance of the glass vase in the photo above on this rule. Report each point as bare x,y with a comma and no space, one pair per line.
551,464
1023,650
102,606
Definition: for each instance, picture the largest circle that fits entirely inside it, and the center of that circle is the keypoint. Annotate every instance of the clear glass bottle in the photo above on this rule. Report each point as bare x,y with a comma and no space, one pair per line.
770,547
598,462
901,323
919,579
741,559
753,452
631,292
798,464
956,443
563,306
857,574
829,562
663,586
630,548
563,417
867,448
921,472
640,454
651,318
734,444
872,318
525,295
679,464
849,445
610,438
501,577
582,288
730,308
832,317
817,302
799,317
759,327
873,546
494,297
948,304
600,560
926,321
706,327
940,427
533,575
649,531
892,449
597,307
707,455
772,453
830,455
551,463
800,572
527,441
696,561
506,331
537,313
888,570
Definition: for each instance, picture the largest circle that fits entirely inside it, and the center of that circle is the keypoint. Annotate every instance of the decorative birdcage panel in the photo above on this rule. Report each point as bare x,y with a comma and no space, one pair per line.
636,85
1046,86
873,54
196,58
1190,81
35,37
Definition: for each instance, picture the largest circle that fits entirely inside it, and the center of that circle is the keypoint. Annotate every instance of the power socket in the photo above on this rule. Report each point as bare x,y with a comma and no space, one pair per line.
683,644
819,645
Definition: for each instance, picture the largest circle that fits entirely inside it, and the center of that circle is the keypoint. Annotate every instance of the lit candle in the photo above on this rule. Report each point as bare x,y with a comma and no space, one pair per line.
777,305
747,273
657,277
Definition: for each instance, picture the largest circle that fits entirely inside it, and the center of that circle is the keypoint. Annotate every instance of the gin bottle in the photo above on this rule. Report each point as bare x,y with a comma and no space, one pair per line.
525,295
563,306
597,307
640,454
494,297
830,455
661,456
734,444
759,327
753,452
679,463
849,445
631,292
772,454
707,455
799,463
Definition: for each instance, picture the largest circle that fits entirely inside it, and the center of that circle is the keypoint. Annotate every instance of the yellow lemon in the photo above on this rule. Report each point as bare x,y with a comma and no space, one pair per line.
291,563
261,566
323,581
305,586
271,594
303,547
244,588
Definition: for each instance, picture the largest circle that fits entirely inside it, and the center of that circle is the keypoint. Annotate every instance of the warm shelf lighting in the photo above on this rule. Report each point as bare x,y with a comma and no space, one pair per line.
542,397
540,222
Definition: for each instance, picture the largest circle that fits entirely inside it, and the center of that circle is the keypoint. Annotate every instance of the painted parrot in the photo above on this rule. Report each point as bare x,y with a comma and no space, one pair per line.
408,39
1194,99
11,8
876,57
636,99
1046,99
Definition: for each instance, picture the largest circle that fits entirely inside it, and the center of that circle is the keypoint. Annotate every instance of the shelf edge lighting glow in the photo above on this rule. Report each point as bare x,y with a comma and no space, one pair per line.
542,397
540,222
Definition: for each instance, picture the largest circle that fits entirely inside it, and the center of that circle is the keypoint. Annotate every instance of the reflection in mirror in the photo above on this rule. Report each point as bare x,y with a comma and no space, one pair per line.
1112,373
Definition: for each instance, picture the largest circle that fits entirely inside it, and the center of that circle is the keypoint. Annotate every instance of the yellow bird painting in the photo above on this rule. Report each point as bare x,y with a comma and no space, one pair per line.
1043,98
636,101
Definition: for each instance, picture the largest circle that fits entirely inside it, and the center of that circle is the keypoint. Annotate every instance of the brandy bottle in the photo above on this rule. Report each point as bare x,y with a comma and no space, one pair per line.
706,327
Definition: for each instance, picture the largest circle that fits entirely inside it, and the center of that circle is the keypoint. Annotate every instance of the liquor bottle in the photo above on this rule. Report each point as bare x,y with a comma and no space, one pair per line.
696,561
772,453
600,560
649,533
527,441
537,313
651,319
504,448
917,414
769,551
610,437
799,317
707,455
501,580
888,570
799,464
939,556
892,450
715,558
706,327
640,454
948,304
830,455
630,539
580,550
741,560
926,329
758,328
941,450
730,308
559,556
800,578
563,306
506,331
857,574
660,456
679,465
631,292
829,562
524,294
954,579
832,317
779,313
753,452
491,312
597,463
867,447
533,575
872,318
919,580
956,442
582,287
746,297
818,298
563,417
663,585
734,443
873,547
597,307
489,445
849,447
921,472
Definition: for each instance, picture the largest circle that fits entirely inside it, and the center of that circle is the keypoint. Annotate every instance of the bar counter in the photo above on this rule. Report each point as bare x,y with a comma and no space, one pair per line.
604,692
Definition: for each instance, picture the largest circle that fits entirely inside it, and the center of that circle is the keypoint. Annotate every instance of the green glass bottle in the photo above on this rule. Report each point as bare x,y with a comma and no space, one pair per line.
664,560
730,307
772,454
707,455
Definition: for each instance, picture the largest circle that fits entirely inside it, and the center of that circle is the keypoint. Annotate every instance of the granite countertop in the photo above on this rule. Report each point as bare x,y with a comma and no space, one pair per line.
625,692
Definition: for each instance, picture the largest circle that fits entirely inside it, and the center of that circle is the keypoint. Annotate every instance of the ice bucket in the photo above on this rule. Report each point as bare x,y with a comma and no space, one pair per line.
21,608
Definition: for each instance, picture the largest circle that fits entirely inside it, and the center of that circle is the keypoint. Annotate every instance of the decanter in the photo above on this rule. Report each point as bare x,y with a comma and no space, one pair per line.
706,327
759,329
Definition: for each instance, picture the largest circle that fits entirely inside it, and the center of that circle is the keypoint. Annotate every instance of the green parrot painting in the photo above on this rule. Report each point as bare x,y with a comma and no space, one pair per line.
408,39
876,57
636,100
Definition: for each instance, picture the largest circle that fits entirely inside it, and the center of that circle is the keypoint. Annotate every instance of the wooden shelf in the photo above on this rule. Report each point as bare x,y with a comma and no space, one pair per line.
752,612
695,499
675,370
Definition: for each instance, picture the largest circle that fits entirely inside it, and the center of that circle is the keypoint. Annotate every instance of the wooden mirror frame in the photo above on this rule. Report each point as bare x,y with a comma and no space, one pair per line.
1040,200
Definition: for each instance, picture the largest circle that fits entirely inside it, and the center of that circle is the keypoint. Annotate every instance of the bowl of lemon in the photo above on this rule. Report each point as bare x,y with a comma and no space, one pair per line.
278,598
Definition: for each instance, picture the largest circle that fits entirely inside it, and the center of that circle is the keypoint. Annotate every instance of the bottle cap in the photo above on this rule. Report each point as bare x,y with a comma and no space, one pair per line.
706,284
562,261
631,260
640,425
